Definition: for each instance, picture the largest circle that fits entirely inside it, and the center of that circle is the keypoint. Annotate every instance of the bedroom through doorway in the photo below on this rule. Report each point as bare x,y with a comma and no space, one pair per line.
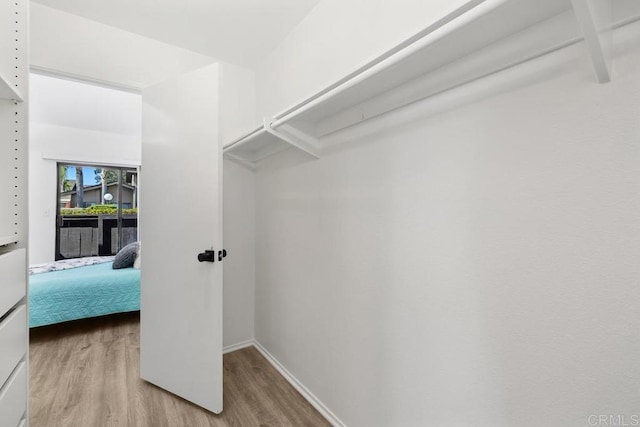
95,271
84,193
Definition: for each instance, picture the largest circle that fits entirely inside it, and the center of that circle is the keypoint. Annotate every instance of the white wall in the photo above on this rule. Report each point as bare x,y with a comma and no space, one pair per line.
238,116
469,260
336,38
238,112
73,121
239,266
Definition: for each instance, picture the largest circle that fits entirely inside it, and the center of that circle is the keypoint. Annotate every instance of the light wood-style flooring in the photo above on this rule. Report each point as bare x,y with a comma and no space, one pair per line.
86,374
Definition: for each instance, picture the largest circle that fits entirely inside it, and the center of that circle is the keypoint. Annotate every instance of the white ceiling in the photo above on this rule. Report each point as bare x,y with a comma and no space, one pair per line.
74,46
238,31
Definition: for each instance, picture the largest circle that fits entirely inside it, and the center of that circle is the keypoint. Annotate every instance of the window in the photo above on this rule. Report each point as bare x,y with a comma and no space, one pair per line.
97,212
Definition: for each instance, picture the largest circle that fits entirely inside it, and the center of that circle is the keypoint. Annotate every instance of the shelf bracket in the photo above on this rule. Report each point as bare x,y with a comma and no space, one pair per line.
594,17
8,91
295,137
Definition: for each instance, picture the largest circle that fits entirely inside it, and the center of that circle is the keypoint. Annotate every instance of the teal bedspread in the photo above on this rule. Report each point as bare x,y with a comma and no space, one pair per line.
82,292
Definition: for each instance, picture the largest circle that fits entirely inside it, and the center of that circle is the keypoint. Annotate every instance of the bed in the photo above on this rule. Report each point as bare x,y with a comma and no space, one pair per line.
77,289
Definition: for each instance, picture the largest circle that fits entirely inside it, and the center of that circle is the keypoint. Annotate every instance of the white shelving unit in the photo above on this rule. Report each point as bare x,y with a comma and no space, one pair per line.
14,326
481,38
7,240
8,95
468,44
8,91
254,146
264,142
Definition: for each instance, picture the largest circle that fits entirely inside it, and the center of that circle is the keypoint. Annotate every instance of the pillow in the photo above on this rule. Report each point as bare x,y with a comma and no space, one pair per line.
126,257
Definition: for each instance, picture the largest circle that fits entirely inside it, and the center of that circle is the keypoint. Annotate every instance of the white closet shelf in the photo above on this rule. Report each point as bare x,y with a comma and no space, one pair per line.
478,39
7,240
481,38
264,142
8,90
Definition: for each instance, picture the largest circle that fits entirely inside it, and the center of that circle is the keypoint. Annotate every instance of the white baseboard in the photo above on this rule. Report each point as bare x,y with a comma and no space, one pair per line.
305,392
238,346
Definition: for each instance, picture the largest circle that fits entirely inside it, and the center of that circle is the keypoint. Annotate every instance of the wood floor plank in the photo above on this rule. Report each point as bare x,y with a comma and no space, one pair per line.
86,373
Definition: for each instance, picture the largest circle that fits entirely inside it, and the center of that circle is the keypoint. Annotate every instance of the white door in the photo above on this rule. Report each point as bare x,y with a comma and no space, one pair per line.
181,216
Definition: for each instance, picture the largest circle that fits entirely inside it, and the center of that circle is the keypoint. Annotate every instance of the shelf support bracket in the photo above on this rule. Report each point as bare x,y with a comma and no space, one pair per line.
594,17
295,137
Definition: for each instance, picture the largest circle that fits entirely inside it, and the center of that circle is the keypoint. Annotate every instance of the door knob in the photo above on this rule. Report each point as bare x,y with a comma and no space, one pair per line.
222,254
208,256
